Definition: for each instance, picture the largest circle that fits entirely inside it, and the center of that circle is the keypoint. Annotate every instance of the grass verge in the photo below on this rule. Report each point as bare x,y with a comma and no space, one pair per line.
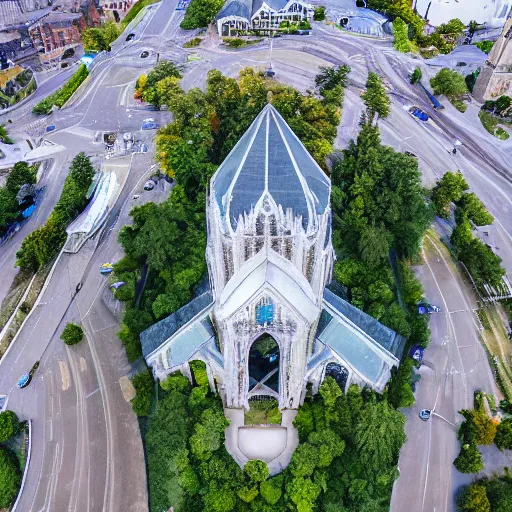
490,123
459,105
137,7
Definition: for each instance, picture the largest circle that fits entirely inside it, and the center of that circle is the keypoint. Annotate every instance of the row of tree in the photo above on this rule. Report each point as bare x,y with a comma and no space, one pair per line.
200,13
100,38
40,246
10,474
487,495
21,174
479,259
346,459
60,97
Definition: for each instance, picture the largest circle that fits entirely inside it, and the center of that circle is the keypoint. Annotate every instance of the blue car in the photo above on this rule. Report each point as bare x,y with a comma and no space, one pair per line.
150,126
50,128
419,114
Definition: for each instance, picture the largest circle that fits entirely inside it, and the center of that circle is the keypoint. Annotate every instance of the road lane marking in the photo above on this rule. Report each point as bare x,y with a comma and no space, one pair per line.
92,393
64,375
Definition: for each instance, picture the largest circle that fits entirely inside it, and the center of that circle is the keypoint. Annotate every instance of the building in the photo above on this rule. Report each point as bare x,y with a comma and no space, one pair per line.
241,15
54,33
267,326
495,79
116,9
493,13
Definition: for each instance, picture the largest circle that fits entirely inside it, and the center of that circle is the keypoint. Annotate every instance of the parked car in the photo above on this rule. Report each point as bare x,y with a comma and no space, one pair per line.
26,379
425,414
144,54
418,114
50,128
106,268
408,153
149,185
149,126
130,36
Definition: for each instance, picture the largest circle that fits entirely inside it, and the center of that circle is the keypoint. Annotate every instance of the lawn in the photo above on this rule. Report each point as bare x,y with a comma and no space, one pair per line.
459,105
490,123
263,412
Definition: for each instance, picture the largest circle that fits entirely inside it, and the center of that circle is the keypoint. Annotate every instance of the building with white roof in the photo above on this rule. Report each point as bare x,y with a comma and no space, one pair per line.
493,13
241,15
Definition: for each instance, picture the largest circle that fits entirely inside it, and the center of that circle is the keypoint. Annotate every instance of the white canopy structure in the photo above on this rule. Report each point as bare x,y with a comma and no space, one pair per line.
493,13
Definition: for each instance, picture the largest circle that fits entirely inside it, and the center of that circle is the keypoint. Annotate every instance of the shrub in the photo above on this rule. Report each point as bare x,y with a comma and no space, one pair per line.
503,439
144,385
72,334
200,13
9,425
196,41
10,478
319,13
416,75
474,499
449,83
469,459
60,97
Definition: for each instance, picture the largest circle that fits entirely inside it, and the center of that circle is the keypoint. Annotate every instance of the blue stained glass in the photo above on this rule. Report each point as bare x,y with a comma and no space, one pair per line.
264,314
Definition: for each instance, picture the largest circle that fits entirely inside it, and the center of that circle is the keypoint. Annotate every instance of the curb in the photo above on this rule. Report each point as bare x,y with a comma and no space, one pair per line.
36,303
20,302
27,464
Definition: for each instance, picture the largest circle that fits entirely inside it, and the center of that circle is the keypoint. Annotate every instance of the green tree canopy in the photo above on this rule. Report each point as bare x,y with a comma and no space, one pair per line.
200,13
72,334
9,425
400,34
256,470
448,189
471,206
20,175
449,83
469,459
10,478
474,499
144,386
375,97
503,439
380,435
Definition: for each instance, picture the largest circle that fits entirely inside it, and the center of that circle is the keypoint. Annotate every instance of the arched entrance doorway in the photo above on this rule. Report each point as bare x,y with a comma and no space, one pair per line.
264,364
339,373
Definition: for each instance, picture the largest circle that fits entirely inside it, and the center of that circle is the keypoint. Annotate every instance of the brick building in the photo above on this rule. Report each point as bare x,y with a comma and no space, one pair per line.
53,34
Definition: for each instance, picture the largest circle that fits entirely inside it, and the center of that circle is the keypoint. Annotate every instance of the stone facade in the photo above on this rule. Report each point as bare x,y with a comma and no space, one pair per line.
242,15
267,326
495,79
56,32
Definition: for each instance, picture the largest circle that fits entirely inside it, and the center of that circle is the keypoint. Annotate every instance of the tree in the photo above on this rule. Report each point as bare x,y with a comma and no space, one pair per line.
448,189
256,470
81,171
449,83
220,500
462,234
380,435
474,499
144,385
469,459
374,245
208,434
481,262
9,425
416,75
453,27
10,478
401,41
72,334
8,208
200,13
271,490
20,174
303,492
503,439
471,206
319,14
375,97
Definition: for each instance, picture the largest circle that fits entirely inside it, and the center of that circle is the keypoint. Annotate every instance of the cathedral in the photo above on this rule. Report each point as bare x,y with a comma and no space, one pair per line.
269,322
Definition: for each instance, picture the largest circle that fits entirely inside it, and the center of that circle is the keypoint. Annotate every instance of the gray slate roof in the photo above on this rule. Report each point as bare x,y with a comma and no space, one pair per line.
383,335
160,332
241,8
270,158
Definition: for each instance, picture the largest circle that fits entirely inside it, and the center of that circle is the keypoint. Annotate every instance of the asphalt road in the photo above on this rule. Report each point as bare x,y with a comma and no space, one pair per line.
87,451
454,367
